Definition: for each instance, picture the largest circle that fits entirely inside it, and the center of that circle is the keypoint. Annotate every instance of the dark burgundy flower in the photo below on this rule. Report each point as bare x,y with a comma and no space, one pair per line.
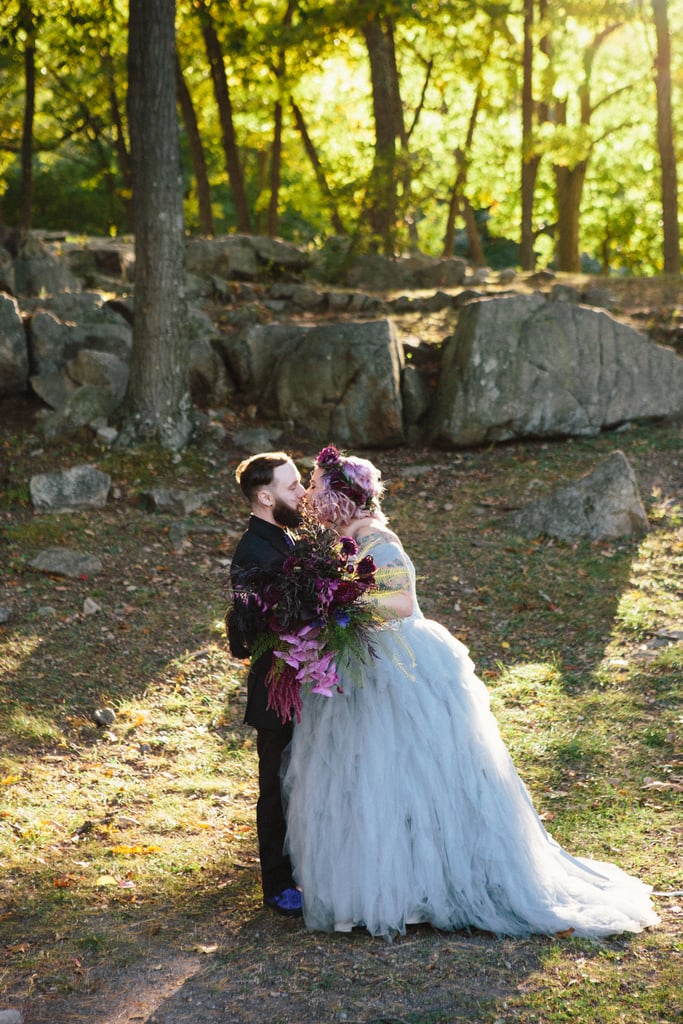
366,567
329,456
346,592
313,594
348,546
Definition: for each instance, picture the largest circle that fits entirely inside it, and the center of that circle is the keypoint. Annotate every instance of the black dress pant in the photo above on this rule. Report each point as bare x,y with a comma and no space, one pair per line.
276,869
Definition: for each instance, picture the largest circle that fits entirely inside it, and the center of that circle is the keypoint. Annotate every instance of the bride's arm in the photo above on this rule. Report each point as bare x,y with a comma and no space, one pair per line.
392,597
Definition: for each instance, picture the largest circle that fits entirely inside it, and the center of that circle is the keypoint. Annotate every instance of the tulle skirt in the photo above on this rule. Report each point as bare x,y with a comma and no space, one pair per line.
403,806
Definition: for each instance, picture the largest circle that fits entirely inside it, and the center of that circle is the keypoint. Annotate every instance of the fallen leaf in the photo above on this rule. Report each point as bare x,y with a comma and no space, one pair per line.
131,850
63,881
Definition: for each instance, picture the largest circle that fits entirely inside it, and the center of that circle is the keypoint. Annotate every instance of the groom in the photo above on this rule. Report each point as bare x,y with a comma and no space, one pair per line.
272,485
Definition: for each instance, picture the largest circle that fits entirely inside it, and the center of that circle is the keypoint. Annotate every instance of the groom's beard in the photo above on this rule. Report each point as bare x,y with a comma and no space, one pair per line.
286,516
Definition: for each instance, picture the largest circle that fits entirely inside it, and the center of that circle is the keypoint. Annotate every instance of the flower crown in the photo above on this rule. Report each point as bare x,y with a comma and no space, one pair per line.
332,464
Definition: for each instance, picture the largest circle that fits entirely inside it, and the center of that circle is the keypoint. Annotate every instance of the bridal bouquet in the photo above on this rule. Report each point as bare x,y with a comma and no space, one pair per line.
309,613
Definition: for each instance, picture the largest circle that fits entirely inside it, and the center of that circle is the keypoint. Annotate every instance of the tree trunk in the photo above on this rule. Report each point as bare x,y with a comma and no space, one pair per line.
26,214
473,237
157,405
275,163
312,155
665,141
120,146
194,141
382,192
531,109
224,103
276,151
569,180
568,189
530,160
457,203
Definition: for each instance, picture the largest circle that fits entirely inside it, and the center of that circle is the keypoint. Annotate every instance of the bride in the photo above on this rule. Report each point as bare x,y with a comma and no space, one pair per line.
403,805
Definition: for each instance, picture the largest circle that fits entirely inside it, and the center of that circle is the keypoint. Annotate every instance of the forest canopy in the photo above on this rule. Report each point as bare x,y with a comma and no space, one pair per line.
512,133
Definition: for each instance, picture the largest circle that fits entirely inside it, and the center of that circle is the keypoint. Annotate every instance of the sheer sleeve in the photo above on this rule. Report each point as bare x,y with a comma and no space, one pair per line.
394,595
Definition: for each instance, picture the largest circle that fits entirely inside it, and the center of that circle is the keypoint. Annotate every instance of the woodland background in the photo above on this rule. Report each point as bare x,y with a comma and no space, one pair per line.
523,132
405,126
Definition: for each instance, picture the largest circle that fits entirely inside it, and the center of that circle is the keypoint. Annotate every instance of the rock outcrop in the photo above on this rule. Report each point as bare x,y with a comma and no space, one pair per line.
340,380
521,366
603,504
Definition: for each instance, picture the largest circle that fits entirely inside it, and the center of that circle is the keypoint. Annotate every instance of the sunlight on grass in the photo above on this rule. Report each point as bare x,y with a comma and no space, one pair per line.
636,614
669,659
33,728
653,592
103,830
590,983
14,654
518,683
664,508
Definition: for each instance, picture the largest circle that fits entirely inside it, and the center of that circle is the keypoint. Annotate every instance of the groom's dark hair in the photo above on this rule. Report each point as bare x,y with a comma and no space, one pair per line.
257,471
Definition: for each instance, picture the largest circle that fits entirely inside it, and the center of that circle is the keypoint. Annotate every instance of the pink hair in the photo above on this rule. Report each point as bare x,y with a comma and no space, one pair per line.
337,508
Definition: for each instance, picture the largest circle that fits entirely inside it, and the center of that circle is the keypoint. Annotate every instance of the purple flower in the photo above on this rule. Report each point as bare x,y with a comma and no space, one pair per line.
329,456
348,546
309,608
366,567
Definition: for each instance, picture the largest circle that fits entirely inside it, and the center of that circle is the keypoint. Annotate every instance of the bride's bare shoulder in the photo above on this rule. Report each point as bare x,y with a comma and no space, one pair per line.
375,533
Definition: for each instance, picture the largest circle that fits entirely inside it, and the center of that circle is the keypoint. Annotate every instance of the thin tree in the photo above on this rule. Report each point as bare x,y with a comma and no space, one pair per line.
320,177
194,141
665,140
382,200
120,143
221,90
530,159
458,202
157,405
279,70
27,25
570,174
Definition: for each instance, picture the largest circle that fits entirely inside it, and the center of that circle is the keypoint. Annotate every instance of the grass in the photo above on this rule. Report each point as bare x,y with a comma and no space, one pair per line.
128,843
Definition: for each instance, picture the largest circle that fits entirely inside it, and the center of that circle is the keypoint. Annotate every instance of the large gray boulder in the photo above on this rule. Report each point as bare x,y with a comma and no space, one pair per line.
13,352
101,258
70,490
59,328
7,277
209,384
87,321
243,257
335,382
381,273
102,370
64,562
39,270
88,405
275,254
604,504
79,343
521,366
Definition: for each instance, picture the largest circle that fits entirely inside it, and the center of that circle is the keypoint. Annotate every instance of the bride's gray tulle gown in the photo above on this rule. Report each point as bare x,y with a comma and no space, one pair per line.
403,805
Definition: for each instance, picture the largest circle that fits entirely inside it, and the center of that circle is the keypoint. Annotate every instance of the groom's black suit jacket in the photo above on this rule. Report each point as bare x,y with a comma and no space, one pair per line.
266,546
